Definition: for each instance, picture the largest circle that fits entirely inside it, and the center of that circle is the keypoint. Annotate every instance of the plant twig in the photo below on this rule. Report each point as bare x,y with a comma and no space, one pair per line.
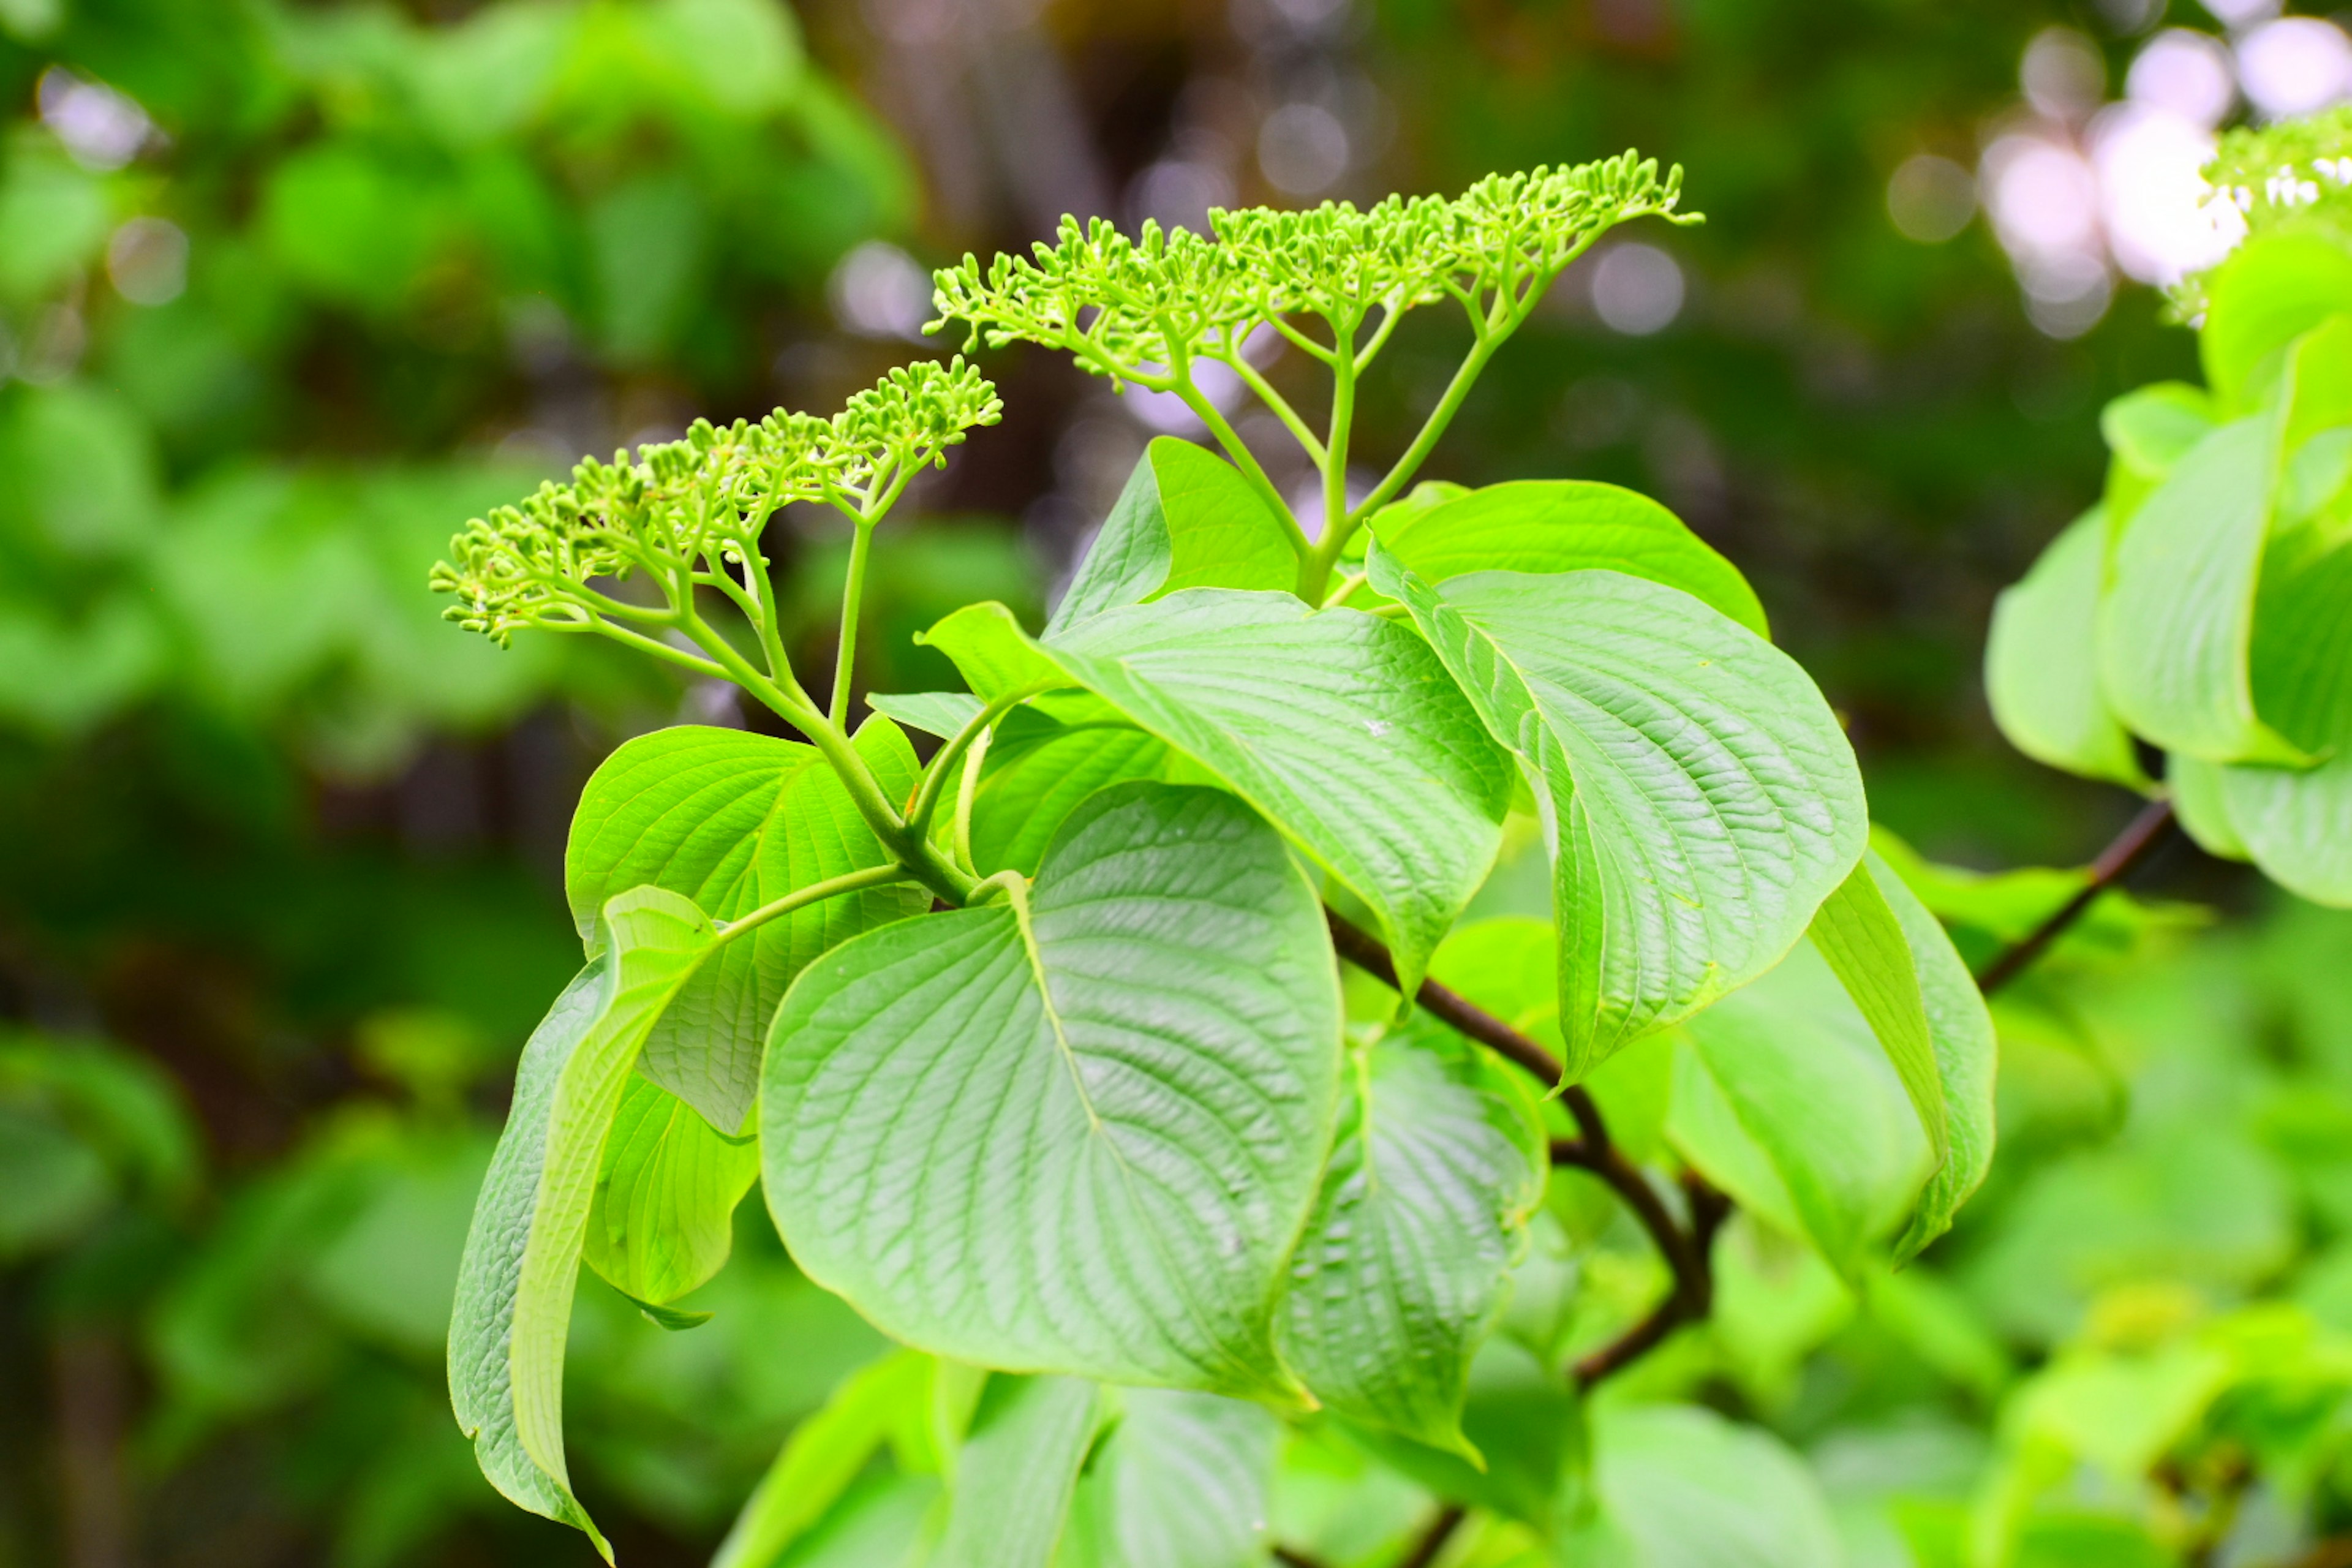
1687,1251
1433,1541
2138,840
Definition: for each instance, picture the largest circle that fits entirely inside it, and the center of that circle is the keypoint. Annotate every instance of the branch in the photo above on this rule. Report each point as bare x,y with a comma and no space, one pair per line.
2138,840
1433,1541
1686,1252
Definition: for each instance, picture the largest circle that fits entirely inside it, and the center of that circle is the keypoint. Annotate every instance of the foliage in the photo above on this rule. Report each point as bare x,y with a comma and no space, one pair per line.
1105,1115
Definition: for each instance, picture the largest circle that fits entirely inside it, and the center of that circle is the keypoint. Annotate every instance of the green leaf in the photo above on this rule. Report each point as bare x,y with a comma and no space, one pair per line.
2296,824
2177,624
1180,1482
1039,768
1341,728
1869,952
993,653
1967,1054
513,1308
663,1217
2148,431
1569,525
2276,288
1078,1128
670,1318
2204,812
939,713
1439,1161
1680,1486
1523,1417
1698,796
1014,1480
822,1457
2041,662
734,820
1784,1099
1187,519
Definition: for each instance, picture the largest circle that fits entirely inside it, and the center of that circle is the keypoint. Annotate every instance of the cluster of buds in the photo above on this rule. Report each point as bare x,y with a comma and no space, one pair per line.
2295,174
704,499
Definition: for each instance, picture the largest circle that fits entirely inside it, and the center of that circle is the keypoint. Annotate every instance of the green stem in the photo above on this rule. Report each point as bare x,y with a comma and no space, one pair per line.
1431,428
1245,460
1265,393
853,593
935,777
799,898
1315,571
653,646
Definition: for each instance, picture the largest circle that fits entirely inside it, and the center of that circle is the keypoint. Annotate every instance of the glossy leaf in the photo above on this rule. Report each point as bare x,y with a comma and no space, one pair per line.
1076,1129
1698,796
1439,1161
733,820
1784,1099
1187,519
1039,768
1341,728
513,1309
1014,1480
2276,288
939,713
2177,625
2296,823
1569,525
2041,662
1180,1482
1867,949
663,1218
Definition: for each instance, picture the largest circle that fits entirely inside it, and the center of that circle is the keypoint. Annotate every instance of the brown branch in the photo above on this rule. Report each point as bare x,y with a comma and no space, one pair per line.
1433,1541
2138,840
1687,1251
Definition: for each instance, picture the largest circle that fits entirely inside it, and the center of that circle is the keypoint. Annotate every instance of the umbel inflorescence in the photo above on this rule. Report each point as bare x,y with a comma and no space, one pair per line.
2293,175
687,511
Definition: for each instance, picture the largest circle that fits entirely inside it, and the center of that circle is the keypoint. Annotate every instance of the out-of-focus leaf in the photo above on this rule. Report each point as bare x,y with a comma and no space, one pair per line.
2042,661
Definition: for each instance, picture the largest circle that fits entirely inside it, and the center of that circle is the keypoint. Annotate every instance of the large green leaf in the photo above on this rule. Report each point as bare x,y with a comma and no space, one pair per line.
1341,728
1075,1129
2042,661
1181,1482
1867,949
1013,1479
1785,1100
2197,800
513,1307
1698,796
664,1214
1039,767
2149,429
1679,1487
733,820
2276,288
2176,623
1187,519
1568,525
2296,824
1439,1161
1967,1053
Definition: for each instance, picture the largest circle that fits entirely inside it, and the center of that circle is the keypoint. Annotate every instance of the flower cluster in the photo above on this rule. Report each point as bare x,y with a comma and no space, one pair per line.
704,497
1130,309
2295,174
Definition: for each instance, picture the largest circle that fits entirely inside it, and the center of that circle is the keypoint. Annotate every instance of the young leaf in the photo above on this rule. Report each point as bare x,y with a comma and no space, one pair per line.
1440,1160
1869,952
939,713
734,820
1341,728
1187,519
1786,1100
481,1321
1699,797
663,1218
1014,1480
513,1308
2203,810
1180,1482
1569,525
1039,768
2041,662
2276,288
2296,824
2148,431
2176,623
1078,1128
822,1457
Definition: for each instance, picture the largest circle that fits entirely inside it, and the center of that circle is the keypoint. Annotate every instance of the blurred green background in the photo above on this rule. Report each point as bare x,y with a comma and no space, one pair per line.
287,291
